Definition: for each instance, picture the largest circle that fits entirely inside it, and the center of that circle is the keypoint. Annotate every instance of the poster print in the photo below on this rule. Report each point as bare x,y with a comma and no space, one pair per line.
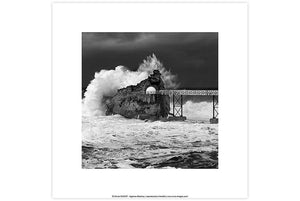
149,105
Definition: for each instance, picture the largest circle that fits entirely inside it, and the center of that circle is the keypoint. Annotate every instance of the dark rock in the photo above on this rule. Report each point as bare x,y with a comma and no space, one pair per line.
133,102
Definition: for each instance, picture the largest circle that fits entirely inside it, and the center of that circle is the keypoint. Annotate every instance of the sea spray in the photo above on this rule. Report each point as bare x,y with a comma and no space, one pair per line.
152,63
198,110
107,82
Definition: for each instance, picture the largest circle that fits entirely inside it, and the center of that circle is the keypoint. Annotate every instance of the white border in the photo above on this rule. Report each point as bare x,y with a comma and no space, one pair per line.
70,19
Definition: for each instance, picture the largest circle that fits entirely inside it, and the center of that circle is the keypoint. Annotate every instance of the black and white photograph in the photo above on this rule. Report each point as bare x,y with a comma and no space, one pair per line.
150,100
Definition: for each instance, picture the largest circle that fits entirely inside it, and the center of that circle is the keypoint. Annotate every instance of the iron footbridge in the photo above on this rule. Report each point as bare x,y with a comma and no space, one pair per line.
176,97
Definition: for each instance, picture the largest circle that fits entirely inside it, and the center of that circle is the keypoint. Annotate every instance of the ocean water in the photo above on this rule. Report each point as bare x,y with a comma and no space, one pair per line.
117,142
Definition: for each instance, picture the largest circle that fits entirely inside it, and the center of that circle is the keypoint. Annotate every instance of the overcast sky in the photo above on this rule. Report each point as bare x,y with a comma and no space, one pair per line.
193,57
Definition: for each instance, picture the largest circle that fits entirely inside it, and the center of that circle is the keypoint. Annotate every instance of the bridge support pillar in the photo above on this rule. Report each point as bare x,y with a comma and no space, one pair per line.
215,119
177,103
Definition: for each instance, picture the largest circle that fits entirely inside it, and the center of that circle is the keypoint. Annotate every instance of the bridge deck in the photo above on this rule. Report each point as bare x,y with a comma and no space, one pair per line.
187,92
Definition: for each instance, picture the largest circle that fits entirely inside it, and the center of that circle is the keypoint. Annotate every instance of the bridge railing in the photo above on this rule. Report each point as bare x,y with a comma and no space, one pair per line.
189,92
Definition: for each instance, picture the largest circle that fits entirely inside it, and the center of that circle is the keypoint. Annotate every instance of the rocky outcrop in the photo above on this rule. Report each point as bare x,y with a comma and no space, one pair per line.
133,102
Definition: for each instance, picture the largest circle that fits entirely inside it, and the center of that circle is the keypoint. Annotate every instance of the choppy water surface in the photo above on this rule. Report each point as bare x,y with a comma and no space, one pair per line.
116,142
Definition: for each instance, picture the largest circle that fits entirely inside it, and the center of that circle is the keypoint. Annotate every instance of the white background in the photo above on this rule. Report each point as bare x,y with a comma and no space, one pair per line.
26,100
230,20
